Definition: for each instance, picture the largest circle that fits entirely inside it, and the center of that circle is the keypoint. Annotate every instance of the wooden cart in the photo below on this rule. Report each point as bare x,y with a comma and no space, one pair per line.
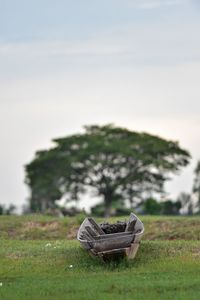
107,246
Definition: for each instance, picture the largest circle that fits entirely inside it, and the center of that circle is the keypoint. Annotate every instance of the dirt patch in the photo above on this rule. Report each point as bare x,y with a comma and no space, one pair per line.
14,255
43,226
72,232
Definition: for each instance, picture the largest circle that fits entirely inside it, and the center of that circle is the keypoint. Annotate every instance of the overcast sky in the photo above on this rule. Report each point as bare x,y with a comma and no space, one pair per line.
65,64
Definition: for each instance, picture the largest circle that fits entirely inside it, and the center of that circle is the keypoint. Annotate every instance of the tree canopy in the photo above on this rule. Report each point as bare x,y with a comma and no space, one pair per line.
112,162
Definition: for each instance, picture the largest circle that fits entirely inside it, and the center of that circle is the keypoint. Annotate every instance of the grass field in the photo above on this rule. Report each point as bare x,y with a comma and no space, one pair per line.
39,259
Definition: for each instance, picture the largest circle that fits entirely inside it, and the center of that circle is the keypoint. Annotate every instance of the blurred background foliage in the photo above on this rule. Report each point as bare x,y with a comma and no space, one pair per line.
125,169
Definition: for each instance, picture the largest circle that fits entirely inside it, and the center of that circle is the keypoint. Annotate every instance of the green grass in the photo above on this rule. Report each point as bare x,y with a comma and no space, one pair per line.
38,267
32,227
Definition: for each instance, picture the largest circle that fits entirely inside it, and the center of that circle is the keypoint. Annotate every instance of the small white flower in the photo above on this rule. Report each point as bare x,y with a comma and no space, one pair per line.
48,245
70,266
55,247
1,283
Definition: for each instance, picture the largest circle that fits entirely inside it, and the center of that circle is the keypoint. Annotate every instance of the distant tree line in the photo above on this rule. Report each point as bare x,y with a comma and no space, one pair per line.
7,211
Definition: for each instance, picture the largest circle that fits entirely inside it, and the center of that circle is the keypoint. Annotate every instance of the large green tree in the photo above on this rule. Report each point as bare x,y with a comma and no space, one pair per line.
112,162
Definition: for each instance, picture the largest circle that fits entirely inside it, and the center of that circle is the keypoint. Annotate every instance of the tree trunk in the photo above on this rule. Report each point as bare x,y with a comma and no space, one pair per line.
107,211
43,206
108,204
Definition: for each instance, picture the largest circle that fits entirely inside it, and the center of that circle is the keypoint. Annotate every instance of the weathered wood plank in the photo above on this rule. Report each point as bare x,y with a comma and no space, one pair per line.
113,251
131,225
104,245
112,235
87,236
91,231
96,226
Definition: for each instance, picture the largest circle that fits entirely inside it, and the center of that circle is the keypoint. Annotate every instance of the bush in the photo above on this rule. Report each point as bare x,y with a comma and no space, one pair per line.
168,207
152,207
171,208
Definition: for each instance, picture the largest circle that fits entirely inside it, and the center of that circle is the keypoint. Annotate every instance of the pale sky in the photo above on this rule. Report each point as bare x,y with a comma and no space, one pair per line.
65,64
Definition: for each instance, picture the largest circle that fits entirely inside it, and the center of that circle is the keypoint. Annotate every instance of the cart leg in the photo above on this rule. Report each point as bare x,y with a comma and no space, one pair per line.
131,252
